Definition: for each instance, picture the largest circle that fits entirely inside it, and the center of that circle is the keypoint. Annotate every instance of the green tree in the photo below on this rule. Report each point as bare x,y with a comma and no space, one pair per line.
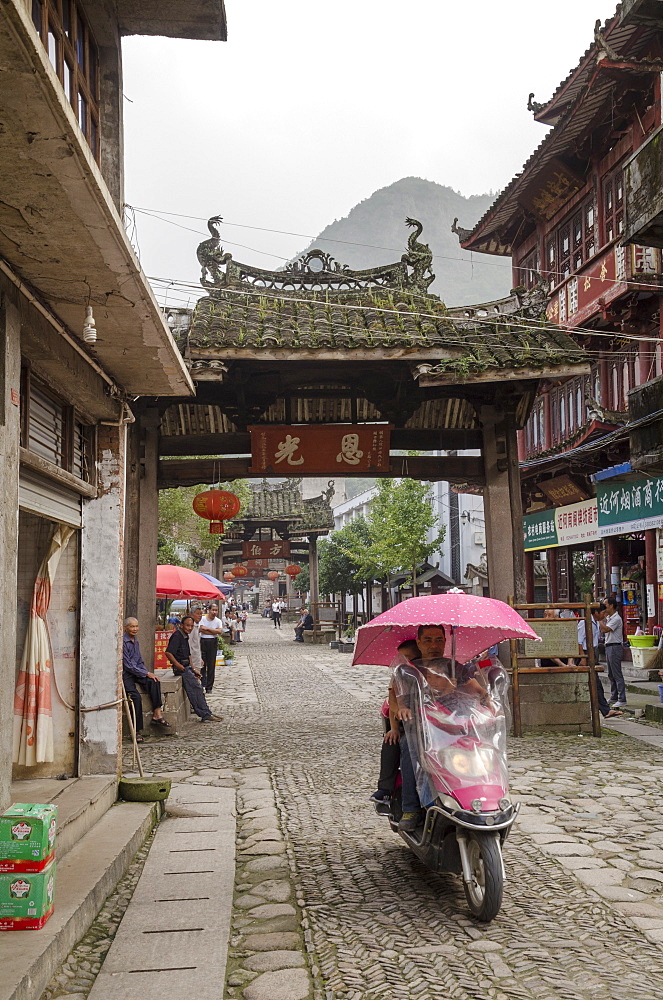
181,528
400,519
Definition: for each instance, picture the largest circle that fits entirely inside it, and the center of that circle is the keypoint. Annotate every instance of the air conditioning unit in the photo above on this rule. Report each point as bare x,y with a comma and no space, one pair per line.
479,538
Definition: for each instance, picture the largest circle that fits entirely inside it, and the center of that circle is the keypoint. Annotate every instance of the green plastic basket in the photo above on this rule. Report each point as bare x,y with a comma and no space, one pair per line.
646,641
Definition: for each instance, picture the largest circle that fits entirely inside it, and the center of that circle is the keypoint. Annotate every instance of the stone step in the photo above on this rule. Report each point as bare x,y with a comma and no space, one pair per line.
85,876
81,803
173,938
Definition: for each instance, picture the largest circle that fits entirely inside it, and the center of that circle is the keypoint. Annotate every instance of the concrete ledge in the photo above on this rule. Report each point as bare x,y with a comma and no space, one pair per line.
320,638
81,803
85,877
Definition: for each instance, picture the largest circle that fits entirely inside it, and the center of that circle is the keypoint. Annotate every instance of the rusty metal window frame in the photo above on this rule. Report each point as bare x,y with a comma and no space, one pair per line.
65,34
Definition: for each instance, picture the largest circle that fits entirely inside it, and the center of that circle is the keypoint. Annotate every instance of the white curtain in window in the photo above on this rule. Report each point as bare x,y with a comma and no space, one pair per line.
33,720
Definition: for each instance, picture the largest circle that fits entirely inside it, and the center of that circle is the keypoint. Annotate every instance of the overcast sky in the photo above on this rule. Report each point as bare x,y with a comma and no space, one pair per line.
309,107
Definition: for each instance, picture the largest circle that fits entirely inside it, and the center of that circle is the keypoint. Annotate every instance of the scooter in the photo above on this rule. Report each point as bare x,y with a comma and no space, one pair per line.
457,743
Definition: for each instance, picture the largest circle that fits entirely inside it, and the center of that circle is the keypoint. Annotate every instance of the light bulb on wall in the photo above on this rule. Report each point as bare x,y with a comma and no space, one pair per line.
90,327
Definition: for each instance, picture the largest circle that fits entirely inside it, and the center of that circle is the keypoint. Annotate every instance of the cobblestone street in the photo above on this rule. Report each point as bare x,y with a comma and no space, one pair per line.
583,911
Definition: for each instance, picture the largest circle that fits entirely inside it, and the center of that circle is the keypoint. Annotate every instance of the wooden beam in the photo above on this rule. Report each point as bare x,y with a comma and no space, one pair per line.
191,471
450,439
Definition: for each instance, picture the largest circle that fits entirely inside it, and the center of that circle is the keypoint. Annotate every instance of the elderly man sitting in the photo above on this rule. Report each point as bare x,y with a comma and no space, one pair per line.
135,672
304,624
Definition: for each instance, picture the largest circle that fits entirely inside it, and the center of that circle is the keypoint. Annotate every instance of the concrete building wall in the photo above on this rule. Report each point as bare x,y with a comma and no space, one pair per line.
102,605
10,381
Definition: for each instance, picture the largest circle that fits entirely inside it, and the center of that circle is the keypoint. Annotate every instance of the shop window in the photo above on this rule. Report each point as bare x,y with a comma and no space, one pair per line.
621,378
569,408
52,430
613,205
73,52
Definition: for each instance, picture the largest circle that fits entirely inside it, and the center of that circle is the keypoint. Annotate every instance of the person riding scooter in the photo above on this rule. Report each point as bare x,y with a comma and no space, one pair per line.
435,669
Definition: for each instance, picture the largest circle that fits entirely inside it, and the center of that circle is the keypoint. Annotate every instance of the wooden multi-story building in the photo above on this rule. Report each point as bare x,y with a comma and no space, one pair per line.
564,220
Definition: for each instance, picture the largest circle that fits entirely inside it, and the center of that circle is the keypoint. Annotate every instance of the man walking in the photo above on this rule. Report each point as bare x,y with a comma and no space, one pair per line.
211,627
178,654
613,629
276,612
135,672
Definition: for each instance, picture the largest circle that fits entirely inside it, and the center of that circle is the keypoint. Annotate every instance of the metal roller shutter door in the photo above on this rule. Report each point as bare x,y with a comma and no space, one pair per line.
48,498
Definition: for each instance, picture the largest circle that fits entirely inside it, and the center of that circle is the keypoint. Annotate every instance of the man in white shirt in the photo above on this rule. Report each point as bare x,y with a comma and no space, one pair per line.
613,629
210,628
194,641
597,616
276,612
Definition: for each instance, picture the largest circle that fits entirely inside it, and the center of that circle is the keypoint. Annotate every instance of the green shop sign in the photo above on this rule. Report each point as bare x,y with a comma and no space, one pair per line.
539,530
631,506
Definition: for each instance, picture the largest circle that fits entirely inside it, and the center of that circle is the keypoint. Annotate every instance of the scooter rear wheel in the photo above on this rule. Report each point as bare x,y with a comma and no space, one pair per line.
484,893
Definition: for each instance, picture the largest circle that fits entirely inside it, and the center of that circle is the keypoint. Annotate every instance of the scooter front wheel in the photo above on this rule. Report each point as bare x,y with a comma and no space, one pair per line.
484,891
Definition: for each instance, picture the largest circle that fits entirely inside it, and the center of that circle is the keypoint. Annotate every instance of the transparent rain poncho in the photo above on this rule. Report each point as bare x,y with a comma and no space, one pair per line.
457,725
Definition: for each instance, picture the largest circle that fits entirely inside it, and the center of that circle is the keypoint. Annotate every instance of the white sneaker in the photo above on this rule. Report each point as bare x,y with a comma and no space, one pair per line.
618,704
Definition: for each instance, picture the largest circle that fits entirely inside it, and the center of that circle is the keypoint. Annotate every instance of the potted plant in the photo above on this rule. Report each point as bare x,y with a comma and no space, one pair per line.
347,643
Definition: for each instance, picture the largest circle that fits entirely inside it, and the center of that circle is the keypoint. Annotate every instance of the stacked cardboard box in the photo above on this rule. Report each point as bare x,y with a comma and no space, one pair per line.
27,865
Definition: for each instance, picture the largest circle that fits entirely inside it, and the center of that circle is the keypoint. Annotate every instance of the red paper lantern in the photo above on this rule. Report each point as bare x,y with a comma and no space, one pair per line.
272,575
240,570
228,577
217,506
293,570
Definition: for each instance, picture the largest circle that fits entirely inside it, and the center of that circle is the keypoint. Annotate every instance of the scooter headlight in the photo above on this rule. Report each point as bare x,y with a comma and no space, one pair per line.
470,764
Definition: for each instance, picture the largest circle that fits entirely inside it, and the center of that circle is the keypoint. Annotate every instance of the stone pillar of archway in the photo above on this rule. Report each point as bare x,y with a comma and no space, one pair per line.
141,526
503,505
313,571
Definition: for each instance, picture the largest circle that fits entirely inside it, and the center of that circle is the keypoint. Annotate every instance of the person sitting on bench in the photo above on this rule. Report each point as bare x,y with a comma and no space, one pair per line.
305,624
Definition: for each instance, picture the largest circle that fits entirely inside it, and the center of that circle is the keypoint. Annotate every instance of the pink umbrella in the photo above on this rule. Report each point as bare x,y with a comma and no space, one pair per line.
476,624
177,581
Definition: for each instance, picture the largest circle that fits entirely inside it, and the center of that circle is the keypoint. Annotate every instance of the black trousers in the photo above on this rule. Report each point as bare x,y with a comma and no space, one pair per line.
276,616
208,648
299,633
153,689
390,758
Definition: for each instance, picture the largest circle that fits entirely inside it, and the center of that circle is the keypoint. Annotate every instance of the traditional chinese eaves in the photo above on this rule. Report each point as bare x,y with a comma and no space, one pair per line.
281,504
319,309
230,322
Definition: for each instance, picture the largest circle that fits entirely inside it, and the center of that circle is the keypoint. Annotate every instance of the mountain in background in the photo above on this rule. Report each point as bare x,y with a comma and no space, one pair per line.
380,222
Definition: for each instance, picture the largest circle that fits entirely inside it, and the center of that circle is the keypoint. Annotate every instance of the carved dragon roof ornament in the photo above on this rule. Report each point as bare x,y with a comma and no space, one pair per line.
462,234
317,270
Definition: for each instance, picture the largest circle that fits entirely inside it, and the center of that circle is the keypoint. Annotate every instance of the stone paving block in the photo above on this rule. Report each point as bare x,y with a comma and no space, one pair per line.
267,910
270,961
270,942
563,849
286,984
619,893
265,864
264,847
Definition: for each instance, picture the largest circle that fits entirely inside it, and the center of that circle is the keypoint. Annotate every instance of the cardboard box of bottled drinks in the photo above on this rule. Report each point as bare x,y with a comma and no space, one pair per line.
27,837
26,899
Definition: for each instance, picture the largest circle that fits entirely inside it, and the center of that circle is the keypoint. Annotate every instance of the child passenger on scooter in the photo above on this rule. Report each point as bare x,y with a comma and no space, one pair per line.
390,753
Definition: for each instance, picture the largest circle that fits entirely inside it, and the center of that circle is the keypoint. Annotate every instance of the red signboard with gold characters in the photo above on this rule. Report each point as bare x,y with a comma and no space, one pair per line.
266,550
327,449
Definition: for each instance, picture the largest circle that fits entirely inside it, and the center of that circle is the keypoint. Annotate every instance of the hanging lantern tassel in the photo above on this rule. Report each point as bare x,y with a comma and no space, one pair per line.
216,528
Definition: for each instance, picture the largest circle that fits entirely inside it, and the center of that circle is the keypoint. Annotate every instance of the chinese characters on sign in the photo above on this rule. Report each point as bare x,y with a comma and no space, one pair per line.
577,522
161,638
631,506
324,449
265,550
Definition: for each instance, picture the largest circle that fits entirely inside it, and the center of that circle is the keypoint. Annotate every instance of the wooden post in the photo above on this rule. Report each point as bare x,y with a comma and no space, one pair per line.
313,576
515,682
593,679
651,574
503,505
529,576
